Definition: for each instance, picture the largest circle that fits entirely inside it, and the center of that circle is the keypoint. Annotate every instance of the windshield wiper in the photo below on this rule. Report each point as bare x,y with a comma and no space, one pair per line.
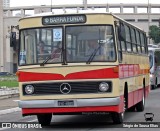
50,57
46,60
95,51
93,54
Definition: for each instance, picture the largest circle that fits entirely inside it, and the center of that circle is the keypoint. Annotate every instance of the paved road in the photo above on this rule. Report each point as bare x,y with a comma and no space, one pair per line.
93,122
7,103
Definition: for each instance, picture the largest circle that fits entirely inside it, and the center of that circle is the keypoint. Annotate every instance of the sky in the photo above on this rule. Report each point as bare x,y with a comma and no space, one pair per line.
15,3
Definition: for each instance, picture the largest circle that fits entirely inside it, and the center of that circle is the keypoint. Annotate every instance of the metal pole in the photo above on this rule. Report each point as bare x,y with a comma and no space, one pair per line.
51,5
148,21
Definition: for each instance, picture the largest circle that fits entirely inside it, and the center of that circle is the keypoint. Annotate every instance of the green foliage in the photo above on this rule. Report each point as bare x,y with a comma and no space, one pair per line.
154,33
8,81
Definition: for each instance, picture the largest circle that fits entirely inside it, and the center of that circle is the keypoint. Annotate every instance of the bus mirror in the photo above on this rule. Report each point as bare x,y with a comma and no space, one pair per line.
121,33
12,39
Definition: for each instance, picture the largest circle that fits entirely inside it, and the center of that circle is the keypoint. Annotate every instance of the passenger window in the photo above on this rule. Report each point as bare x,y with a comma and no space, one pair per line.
142,43
133,36
138,42
128,39
123,43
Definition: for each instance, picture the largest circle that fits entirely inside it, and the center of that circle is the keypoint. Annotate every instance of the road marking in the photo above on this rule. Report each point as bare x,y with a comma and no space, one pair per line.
32,120
2,112
4,129
16,100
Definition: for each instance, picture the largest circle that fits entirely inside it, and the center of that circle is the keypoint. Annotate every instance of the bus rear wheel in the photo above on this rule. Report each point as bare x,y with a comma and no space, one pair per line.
44,119
141,104
153,87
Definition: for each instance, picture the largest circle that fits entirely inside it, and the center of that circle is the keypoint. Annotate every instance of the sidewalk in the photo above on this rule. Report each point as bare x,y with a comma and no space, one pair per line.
8,92
8,99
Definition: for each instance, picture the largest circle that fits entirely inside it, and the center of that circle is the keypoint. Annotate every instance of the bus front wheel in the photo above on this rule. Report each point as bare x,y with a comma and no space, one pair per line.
44,119
117,117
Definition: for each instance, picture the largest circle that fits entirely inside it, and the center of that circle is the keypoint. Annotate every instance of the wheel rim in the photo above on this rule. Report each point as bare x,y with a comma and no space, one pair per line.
122,115
143,99
124,108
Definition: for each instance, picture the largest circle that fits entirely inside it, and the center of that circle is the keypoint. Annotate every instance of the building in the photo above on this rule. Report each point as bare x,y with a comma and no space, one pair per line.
141,15
6,3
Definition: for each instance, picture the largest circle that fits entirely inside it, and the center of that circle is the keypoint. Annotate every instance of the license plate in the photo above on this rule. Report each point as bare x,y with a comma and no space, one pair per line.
66,103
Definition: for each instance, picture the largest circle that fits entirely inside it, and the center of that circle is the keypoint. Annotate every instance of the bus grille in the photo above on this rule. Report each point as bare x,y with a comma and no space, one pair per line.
76,88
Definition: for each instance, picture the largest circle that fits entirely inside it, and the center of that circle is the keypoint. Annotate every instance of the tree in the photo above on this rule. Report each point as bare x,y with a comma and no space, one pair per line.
154,33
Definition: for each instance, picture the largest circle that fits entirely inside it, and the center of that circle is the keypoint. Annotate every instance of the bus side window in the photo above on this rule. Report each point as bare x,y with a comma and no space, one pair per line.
121,32
119,45
122,37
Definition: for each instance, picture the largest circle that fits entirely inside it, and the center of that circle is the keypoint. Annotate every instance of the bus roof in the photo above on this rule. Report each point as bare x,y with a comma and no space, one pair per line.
78,12
67,13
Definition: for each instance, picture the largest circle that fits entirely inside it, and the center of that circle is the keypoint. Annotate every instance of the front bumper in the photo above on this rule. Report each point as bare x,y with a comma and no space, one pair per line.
77,103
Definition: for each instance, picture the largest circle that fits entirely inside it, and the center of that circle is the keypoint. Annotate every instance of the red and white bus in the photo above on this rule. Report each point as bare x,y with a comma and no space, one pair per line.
86,62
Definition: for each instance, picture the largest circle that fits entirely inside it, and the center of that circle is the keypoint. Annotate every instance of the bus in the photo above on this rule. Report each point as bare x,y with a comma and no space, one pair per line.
154,59
67,78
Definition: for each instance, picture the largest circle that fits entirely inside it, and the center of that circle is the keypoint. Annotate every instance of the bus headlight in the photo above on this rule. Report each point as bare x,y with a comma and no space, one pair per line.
29,89
103,87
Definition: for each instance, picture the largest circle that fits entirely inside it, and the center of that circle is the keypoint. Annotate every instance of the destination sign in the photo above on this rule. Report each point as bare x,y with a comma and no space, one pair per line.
69,19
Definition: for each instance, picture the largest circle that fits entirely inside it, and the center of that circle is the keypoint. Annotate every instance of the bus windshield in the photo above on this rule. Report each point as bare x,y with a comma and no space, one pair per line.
39,44
82,44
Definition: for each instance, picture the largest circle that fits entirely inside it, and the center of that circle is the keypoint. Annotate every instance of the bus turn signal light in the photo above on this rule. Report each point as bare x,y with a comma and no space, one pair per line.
17,73
116,69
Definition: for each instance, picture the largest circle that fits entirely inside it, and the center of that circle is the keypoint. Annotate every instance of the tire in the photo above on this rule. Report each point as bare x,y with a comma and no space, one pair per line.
141,104
117,117
131,109
153,87
44,119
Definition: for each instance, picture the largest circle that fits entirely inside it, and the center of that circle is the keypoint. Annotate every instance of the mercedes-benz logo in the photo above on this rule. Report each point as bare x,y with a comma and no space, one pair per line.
65,88
46,20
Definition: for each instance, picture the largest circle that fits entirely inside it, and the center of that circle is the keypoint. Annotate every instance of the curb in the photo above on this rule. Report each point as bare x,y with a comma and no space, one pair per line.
8,92
11,110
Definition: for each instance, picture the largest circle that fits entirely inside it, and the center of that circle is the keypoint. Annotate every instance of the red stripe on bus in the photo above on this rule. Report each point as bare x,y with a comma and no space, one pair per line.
92,74
130,70
70,110
124,71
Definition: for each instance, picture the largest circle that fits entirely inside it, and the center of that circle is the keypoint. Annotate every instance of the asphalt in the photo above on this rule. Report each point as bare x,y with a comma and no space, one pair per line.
8,103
